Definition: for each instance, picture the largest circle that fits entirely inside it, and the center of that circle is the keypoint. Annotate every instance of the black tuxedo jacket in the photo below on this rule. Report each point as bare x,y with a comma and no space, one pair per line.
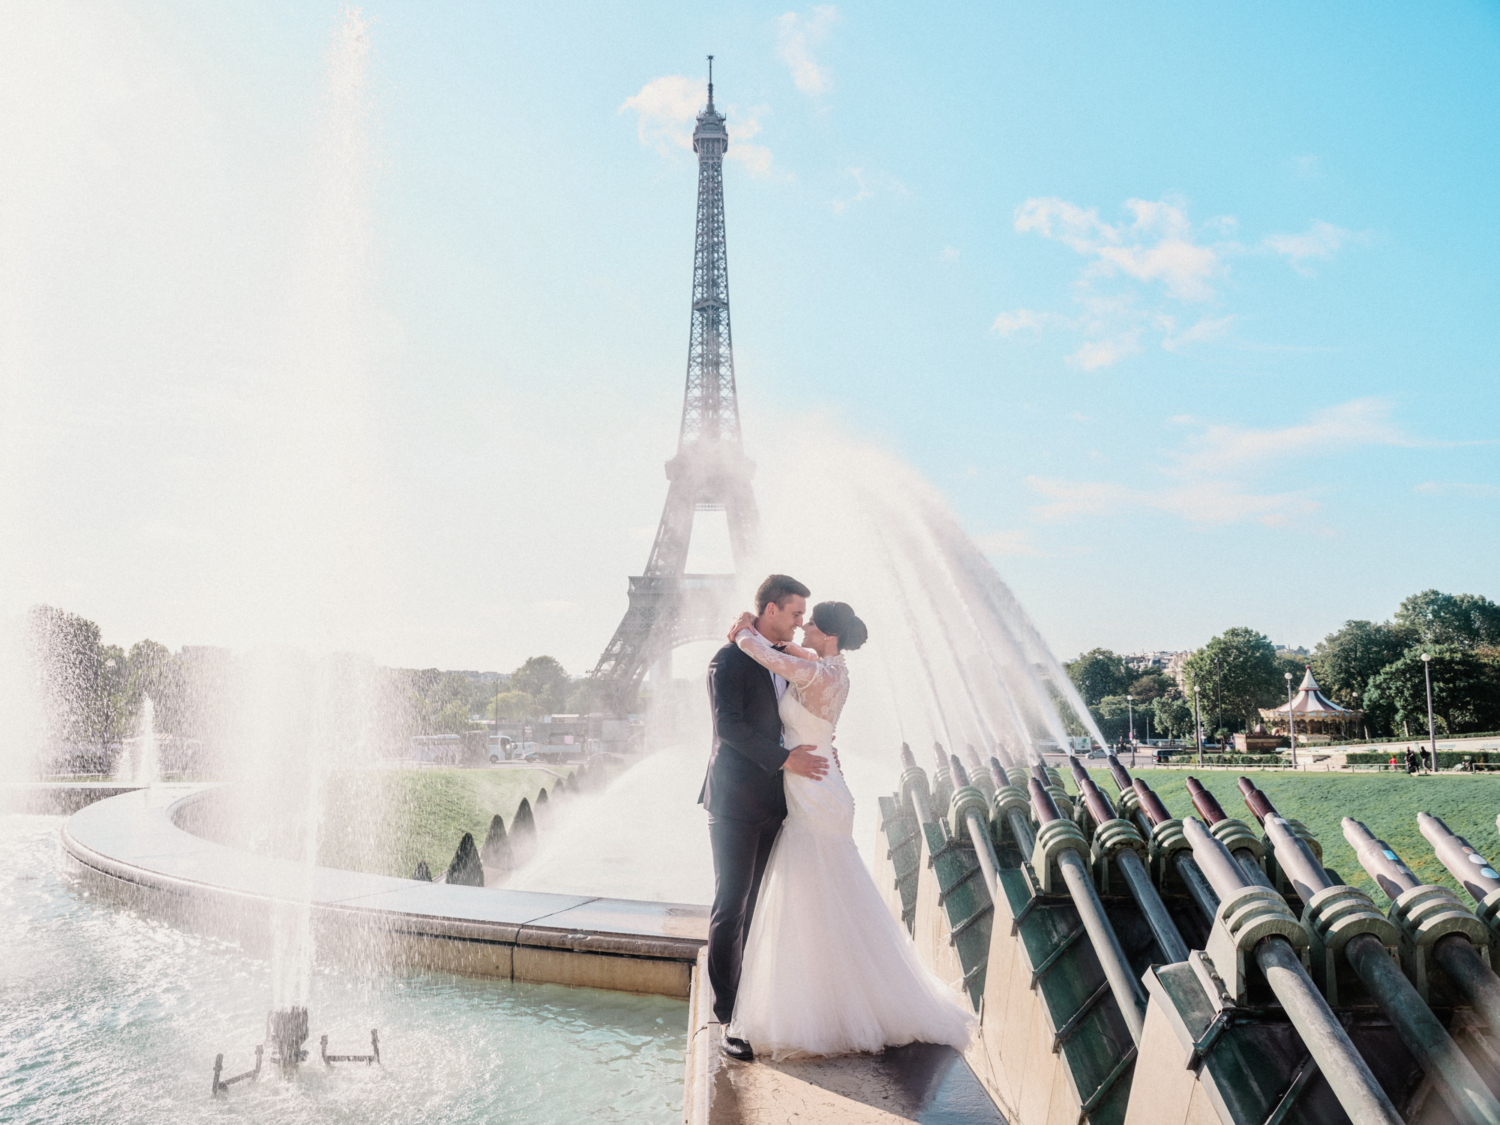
744,766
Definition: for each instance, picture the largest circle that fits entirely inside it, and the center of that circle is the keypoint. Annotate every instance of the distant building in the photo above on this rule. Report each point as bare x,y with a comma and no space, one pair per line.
1164,661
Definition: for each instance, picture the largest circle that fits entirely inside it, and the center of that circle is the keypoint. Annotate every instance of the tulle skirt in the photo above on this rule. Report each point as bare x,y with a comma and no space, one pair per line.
827,970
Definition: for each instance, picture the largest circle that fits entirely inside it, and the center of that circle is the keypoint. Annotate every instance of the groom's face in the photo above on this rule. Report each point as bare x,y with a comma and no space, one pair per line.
779,623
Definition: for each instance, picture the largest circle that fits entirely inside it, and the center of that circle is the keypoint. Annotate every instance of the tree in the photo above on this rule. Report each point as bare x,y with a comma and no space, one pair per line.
1345,660
1242,665
1151,685
1172,715
512,705
1098,673
1113,716
545,680
1465,692
1458,620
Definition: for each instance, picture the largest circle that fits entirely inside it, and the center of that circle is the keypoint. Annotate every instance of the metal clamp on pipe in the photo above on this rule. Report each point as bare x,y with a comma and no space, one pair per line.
1244,919
942,778
968,815
1472,871
1053,838
914,792
1110,839
979,777
1333,917
1010,802
1424,916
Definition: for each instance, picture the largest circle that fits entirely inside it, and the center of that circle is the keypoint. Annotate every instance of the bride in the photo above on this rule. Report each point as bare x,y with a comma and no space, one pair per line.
827,969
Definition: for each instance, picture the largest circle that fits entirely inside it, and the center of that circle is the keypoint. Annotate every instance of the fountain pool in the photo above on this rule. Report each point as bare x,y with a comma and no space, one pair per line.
107,1016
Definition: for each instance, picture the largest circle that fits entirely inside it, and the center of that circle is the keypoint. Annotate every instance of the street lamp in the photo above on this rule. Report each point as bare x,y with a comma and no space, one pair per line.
1219,690
1431,729
1291,719
1198,725
1130,710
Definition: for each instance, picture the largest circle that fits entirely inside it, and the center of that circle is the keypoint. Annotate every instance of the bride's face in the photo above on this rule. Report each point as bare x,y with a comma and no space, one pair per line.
824,644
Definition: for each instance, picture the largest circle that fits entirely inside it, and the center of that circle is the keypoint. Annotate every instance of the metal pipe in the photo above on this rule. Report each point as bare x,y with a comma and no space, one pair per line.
1212,812
1128,861
1124,783
1321,1032
1463,861
1127,990
1326,1041
979,834
1020,827
1198,887
1454,1076
1455,954
1221,870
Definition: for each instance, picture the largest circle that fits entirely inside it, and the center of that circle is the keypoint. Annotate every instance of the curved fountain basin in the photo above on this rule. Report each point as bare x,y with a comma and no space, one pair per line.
130,849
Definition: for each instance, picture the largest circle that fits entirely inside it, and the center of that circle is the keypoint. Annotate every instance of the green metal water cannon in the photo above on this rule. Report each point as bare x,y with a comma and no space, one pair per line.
1439,935
1256,942
1234,834
1059,860
1347,930
1118,849
1473,872
1010,808
1260,807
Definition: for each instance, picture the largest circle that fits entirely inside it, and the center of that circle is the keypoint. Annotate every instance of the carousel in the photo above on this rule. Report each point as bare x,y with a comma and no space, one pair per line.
1313,716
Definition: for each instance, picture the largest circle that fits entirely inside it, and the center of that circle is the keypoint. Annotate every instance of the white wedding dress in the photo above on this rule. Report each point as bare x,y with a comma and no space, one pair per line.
827,970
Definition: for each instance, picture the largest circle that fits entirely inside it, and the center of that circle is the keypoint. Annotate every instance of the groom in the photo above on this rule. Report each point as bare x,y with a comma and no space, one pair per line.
742,791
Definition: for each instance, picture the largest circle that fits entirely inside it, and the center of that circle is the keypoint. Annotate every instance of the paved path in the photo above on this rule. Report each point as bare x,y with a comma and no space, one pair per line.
919,1083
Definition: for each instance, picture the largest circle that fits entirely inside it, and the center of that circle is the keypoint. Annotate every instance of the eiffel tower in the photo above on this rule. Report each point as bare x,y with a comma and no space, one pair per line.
669,607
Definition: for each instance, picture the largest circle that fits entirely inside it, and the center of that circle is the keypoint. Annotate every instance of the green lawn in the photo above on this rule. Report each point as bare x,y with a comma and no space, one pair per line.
1387,803
386,821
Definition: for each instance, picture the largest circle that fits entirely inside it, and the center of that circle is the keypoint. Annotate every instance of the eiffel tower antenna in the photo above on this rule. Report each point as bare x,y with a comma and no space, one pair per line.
710,472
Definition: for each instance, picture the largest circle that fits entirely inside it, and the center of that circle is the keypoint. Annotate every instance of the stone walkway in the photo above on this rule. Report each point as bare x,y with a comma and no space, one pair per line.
918,1083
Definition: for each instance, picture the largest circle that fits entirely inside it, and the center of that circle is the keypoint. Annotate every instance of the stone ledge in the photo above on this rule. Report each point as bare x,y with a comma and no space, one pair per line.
129,849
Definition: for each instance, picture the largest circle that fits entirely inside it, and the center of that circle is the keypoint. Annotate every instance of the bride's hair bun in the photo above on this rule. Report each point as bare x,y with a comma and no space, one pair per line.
838,620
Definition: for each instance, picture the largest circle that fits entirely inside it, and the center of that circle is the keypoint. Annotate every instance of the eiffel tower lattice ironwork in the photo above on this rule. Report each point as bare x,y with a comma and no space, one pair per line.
669,607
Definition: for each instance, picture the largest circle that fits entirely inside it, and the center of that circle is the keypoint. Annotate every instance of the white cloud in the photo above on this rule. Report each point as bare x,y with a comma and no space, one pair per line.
667,109
1021,320
1206,328
1319,241
950,254
867,186
796,36
1208,479
1141,271
1209,501
1350,425
1457,488
1094,354
1157,246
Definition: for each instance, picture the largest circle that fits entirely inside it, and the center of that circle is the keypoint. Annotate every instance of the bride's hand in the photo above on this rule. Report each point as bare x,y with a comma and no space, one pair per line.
743,621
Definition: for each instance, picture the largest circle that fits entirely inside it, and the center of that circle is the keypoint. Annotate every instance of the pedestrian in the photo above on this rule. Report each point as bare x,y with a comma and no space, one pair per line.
1392,763
1427,762
1411,762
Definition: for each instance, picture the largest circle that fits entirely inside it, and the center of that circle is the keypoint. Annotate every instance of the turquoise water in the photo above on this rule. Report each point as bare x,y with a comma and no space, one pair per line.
107,1016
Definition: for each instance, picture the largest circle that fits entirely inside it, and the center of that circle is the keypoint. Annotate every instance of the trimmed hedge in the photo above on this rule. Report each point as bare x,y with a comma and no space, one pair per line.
1211,759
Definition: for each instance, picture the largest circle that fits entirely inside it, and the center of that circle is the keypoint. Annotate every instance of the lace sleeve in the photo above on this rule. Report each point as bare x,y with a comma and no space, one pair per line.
791,668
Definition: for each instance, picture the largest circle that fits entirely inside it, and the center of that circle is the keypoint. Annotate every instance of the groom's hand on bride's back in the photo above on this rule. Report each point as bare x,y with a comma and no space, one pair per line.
804,763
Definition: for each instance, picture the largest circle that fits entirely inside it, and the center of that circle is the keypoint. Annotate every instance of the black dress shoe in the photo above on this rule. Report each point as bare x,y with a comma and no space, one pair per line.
736,1049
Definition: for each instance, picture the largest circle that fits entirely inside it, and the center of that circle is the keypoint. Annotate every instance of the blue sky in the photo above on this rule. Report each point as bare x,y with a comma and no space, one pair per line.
1188,310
